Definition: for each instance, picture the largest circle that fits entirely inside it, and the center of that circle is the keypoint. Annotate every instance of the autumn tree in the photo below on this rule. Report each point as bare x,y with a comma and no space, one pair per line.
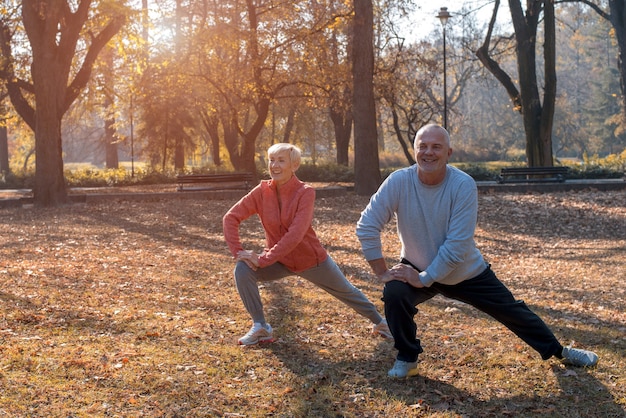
259,61
167,105
54,30
241,67
328,62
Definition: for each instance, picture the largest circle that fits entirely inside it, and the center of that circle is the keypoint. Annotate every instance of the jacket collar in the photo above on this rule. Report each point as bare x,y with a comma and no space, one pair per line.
292,184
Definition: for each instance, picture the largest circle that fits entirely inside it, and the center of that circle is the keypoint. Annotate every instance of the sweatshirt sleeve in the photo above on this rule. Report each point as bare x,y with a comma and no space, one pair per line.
238,213
379,212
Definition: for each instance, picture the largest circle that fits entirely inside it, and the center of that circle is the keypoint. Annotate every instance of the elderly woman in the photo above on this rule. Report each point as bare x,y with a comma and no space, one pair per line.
285,206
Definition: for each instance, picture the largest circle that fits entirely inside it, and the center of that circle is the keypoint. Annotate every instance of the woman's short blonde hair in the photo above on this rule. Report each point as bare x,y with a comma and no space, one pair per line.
295,154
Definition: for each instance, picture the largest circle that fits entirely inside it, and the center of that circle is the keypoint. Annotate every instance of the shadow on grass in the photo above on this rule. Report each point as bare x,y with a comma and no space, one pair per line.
579,393
325,381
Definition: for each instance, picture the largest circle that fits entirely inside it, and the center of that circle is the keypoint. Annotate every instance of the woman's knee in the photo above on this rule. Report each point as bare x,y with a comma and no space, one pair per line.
243,272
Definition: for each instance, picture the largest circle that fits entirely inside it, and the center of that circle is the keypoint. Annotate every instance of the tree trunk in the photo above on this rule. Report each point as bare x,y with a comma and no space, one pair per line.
4,151
291,120
211,124
111,158
408,151
231,140
179,143
110,145
617,18
549,89
179,154
50,82
4,140
525,36
50,188
249,138
366,164
342,124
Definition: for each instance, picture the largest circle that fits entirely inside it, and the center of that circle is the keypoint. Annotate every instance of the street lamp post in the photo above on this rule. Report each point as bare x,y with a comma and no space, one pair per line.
443,16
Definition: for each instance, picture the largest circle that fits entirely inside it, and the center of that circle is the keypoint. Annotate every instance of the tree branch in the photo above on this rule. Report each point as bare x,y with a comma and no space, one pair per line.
494,68
595,7
14,85
82,76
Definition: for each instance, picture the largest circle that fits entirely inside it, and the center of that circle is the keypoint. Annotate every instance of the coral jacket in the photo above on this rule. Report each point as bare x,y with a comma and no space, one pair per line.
286,215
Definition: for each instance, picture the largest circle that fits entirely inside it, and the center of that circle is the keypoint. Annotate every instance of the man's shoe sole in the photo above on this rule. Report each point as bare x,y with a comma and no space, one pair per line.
410,373
259,341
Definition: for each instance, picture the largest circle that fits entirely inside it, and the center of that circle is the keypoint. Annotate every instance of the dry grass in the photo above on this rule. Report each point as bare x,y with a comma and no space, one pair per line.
129,309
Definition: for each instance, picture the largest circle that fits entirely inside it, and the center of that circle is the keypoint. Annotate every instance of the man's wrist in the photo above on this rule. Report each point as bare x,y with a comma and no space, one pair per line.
379,266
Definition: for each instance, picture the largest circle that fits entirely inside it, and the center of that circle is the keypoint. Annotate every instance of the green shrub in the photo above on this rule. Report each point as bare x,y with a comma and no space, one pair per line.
611,166
18,180
390,160
152,177
117,177
93,177
479,171
325,173
593,172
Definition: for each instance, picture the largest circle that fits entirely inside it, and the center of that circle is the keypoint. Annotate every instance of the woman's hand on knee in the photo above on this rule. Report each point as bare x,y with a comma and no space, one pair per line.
250,258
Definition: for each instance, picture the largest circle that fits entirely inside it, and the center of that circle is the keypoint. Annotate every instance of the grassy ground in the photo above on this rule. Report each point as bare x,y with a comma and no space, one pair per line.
128,309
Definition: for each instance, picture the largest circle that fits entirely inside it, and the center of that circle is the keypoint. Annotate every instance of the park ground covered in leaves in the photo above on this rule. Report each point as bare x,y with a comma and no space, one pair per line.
128,308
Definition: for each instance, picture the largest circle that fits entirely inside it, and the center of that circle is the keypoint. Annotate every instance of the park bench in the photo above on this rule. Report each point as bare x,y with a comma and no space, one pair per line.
532,174
216,181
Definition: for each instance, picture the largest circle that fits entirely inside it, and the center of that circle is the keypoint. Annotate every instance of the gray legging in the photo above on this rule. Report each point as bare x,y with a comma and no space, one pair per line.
326,276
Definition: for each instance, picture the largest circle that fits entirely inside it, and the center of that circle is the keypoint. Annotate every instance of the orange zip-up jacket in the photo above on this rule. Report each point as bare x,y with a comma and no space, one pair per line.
289,236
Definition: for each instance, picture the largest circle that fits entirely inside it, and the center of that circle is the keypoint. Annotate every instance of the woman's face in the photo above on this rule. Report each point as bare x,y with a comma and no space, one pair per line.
280,167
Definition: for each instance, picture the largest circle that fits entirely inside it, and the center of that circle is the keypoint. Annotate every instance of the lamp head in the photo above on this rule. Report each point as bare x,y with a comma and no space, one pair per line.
444,15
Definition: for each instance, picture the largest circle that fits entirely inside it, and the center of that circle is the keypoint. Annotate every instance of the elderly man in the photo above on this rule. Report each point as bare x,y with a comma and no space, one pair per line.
436,207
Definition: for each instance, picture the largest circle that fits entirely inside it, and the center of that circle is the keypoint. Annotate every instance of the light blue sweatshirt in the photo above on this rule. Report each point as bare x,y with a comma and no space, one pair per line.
435,224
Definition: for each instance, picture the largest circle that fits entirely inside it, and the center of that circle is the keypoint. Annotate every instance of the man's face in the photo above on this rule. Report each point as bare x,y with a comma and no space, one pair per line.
432,151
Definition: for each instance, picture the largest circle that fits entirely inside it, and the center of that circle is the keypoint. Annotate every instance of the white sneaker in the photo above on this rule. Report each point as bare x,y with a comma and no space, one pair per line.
403,369
257,334
579,357
382,329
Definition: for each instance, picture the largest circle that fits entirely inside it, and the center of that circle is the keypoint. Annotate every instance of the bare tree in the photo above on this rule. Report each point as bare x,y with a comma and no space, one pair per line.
537,115
617,17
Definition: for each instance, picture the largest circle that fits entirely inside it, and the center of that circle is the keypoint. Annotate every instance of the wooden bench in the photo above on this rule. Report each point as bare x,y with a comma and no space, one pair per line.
532,174
217,181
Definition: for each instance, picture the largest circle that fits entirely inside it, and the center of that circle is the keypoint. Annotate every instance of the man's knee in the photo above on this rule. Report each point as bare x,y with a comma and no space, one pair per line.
395,290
